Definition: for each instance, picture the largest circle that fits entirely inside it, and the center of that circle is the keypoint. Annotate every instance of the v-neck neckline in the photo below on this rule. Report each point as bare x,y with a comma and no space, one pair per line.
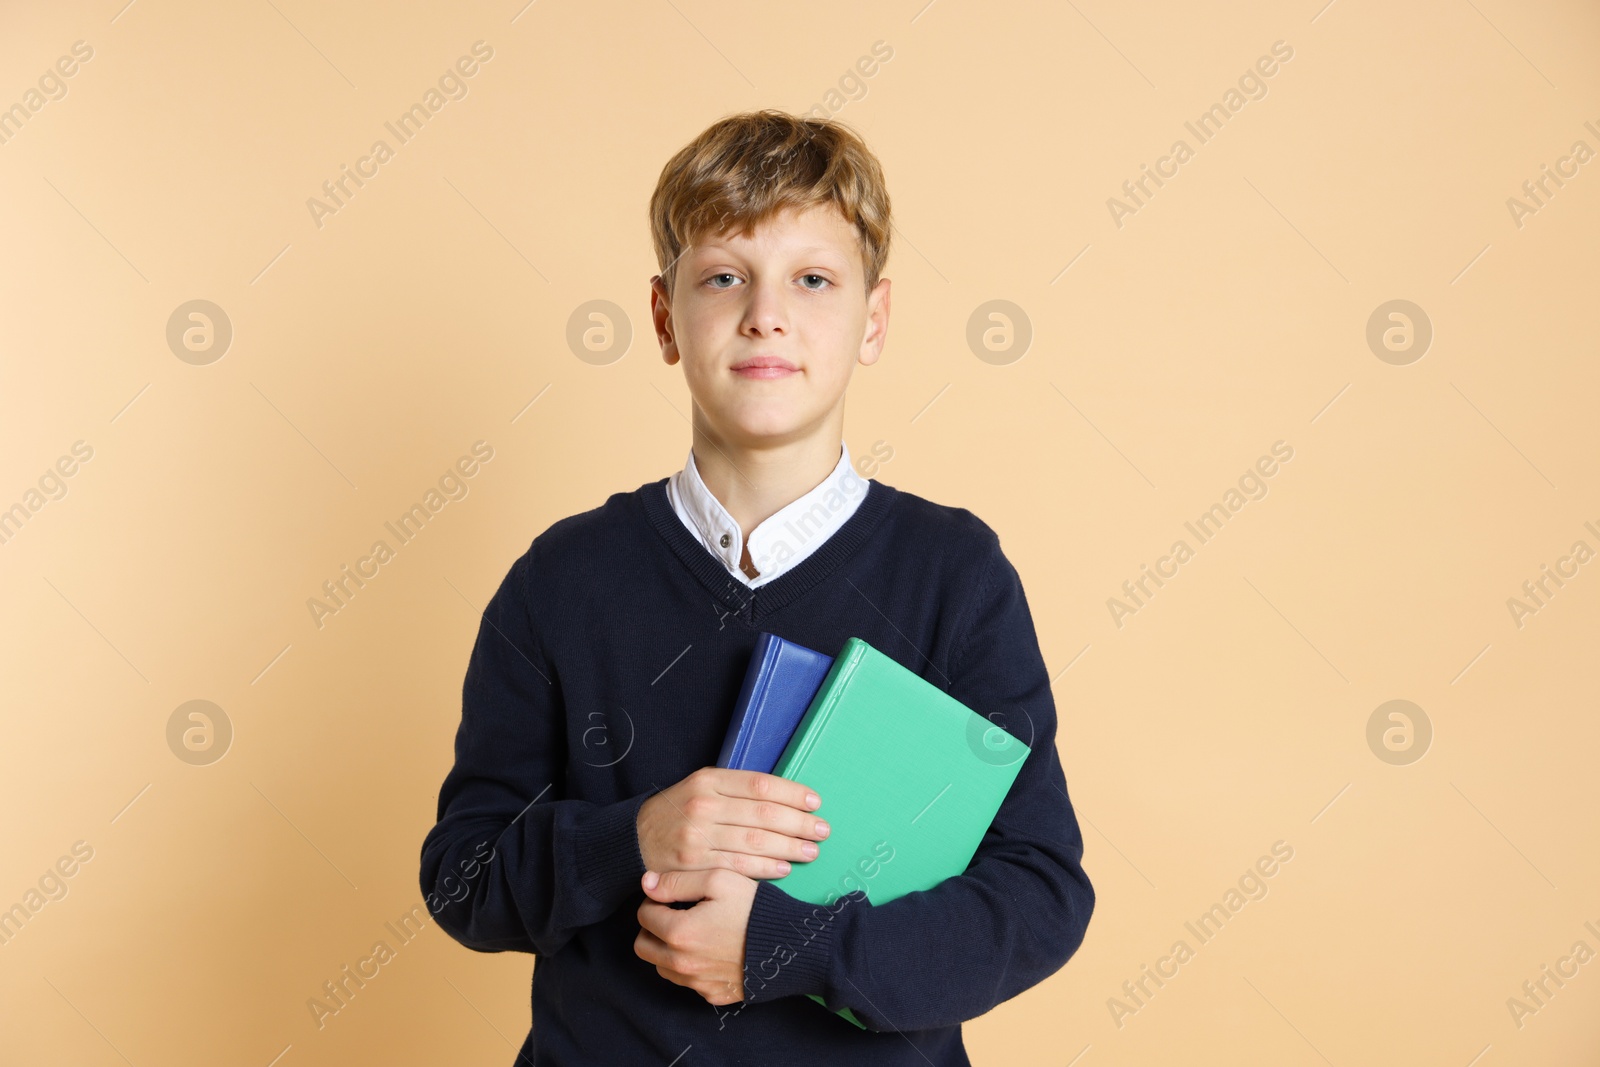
771,596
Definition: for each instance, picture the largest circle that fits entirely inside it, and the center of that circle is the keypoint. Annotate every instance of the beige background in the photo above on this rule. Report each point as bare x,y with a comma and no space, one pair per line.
1167,354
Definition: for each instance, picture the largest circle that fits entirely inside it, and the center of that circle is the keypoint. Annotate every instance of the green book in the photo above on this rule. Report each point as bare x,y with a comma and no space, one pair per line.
910,779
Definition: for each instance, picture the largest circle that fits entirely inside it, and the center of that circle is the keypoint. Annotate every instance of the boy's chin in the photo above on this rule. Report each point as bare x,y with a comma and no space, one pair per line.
764,431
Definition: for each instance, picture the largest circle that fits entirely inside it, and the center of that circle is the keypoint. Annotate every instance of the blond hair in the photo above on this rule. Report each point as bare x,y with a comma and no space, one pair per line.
747,168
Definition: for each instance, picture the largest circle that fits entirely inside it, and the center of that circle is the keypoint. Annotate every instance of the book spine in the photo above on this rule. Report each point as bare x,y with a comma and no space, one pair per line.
733,742
794,758
757,705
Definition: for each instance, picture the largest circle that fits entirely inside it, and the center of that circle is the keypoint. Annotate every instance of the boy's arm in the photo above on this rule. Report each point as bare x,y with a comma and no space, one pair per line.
940,956
510,865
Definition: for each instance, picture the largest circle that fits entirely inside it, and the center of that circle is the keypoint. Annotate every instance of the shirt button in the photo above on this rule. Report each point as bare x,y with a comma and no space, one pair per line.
726,540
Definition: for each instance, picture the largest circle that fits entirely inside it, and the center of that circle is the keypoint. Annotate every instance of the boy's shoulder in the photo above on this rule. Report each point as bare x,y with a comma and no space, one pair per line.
954,549
944,524
600,531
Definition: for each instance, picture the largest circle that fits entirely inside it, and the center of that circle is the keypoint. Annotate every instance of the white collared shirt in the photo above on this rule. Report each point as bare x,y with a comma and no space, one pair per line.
788,536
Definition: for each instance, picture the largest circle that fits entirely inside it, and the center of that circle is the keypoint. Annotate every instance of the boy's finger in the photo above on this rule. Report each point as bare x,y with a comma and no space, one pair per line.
653,950
779,819
758,785
648,947
655,927
680,885
762,853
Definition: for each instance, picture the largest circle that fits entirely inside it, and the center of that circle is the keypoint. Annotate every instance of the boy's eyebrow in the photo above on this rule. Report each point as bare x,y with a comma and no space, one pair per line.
715,246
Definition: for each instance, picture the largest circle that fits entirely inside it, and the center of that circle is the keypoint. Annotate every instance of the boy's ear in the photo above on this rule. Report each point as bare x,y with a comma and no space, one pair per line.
877,323
660,316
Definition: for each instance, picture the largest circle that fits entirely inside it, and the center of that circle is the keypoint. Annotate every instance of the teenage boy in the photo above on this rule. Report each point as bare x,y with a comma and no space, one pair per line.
584,820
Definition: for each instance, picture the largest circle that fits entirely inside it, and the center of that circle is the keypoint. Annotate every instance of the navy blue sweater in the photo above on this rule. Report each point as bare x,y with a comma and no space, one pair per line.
606,669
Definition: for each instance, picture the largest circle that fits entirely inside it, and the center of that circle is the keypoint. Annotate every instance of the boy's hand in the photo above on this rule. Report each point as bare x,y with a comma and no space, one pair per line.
746,821
701,948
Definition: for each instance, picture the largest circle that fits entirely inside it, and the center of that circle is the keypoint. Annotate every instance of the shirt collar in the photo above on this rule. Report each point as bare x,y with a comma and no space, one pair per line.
785,537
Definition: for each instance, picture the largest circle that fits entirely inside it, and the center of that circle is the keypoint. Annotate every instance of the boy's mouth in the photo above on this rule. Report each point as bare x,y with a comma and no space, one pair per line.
764,367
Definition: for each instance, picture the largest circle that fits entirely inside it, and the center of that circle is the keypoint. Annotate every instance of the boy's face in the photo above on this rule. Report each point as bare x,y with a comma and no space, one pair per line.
795,290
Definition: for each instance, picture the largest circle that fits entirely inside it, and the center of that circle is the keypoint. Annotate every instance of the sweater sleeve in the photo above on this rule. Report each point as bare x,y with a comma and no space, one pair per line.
511,864
941,956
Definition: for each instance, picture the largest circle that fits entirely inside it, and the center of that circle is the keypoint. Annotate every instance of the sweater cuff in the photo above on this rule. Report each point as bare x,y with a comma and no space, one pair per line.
789,943
607,847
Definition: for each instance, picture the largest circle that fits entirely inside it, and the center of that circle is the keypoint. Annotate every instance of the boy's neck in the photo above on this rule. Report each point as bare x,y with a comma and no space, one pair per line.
754,484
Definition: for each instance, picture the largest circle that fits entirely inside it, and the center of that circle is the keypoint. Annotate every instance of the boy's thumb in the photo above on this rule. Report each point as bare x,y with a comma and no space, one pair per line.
651,880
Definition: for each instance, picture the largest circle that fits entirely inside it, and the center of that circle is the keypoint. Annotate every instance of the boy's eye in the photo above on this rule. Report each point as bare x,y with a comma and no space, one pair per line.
805,278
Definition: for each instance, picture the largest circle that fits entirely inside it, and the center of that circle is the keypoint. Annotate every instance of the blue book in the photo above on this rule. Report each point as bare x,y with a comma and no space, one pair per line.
778,687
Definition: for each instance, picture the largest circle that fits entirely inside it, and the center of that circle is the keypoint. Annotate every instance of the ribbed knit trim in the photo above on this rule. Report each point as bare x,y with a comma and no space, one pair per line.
607,847
790,943
786,587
